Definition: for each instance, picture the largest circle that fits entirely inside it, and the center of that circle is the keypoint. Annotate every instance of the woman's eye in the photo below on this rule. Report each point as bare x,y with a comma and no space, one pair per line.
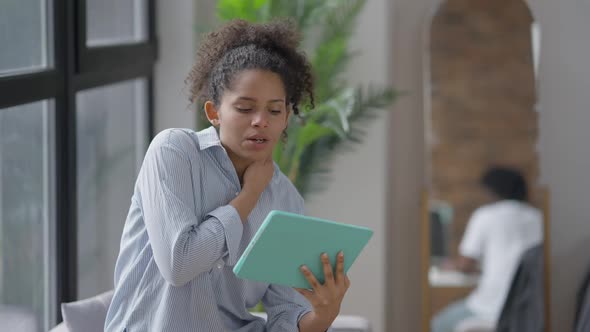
243,110
276,111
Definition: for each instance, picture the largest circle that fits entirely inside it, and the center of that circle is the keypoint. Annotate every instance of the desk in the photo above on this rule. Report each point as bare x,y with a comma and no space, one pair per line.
449,278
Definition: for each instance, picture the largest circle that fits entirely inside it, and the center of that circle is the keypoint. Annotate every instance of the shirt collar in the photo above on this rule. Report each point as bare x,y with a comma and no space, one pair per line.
208,138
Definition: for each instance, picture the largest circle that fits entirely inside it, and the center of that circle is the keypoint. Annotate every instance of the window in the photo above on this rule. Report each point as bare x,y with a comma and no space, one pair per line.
26,26
111,131
27,216
75,121
114,22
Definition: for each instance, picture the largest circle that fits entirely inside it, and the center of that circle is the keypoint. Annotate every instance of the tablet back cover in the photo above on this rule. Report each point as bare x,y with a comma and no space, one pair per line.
285,241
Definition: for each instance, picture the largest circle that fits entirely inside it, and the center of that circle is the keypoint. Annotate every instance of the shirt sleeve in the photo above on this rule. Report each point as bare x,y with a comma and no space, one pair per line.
183,246
473,242
284,308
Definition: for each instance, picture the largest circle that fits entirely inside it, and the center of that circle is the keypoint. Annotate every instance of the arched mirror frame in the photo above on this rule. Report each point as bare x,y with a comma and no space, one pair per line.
543,192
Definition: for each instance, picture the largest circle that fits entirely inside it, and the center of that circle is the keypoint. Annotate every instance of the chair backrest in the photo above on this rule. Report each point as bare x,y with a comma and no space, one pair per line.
582,318
86,315
524,308
61,327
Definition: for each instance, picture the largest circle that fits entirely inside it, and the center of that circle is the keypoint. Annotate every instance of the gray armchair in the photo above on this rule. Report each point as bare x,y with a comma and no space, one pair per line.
88,316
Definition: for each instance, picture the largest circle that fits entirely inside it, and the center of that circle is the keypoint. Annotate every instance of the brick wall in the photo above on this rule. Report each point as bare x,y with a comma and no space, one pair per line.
483,96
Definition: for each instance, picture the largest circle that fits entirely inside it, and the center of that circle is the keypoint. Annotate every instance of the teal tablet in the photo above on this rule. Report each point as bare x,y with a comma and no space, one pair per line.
285,241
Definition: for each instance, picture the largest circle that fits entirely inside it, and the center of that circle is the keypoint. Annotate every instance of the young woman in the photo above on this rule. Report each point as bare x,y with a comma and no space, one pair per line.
201,196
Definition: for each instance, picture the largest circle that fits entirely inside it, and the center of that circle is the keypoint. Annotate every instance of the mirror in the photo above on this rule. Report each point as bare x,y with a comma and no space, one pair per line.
484,207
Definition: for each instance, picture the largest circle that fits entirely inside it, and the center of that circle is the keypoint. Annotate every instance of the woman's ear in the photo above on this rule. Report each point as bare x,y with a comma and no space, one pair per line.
212,113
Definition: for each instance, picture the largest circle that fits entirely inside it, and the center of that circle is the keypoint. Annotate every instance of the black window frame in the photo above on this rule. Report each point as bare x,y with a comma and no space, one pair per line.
106,57
76,68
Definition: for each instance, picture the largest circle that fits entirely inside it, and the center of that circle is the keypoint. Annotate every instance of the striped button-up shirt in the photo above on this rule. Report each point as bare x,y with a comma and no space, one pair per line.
181,240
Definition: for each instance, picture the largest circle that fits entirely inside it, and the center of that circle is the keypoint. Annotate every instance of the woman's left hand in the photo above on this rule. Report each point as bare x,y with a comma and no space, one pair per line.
327,298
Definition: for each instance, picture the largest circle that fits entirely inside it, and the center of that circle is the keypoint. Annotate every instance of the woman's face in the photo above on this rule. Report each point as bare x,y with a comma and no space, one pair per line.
251,116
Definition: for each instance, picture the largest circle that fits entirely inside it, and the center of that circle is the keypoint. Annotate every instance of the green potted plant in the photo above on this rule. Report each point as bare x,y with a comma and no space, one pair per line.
341,110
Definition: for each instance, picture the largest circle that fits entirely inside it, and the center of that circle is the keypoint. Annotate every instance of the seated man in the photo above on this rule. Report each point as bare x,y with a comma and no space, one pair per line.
497,235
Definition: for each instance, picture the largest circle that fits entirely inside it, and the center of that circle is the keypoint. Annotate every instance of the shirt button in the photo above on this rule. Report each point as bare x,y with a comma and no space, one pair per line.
237,194
219,265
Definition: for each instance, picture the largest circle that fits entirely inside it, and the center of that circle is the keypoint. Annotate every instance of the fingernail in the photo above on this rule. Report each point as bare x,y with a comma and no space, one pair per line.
341,253
303,267
324,255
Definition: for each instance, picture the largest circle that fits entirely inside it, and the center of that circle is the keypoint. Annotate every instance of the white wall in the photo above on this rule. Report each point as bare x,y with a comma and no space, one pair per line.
175,29
564,146
356,192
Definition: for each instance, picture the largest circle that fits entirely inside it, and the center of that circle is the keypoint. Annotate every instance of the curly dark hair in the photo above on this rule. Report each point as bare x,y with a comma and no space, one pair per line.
241,45
506,183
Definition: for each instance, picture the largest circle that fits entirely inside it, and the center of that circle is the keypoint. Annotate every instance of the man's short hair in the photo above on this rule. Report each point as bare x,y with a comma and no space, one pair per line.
506,183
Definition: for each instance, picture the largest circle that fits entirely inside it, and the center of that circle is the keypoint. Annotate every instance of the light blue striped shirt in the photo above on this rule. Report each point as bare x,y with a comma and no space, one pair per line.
182,238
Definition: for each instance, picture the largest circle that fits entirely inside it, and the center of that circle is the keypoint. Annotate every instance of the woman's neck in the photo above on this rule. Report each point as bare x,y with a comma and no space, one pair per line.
240,165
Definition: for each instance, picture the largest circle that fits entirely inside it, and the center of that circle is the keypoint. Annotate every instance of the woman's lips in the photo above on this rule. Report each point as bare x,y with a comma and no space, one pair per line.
257,143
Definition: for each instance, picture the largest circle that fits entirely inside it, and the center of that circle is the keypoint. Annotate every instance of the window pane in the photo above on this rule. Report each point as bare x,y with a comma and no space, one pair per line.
27,229
112,22
25,35
111,139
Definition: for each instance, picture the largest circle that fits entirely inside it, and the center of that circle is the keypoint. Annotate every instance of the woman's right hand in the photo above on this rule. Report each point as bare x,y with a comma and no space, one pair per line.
257,176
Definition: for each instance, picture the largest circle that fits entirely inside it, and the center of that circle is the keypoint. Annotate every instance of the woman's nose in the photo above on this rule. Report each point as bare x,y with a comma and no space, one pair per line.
260,119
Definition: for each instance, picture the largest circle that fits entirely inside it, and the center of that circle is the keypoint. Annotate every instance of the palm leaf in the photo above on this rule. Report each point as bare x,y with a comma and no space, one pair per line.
250,10
338,18
317,159
329,61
